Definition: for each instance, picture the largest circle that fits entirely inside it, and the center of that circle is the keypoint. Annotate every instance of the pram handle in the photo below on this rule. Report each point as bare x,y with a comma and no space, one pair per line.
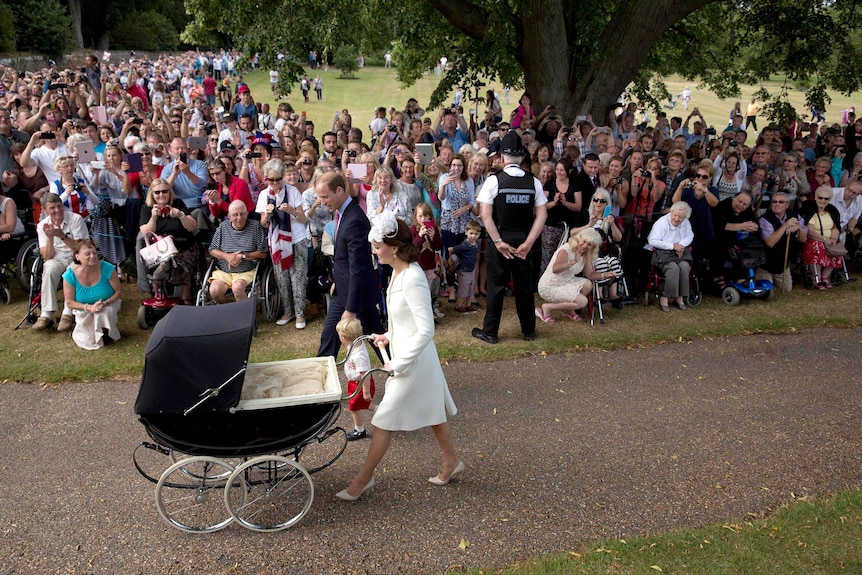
214,391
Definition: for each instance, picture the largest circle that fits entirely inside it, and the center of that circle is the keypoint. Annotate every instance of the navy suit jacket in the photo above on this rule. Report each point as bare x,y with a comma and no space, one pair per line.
352,269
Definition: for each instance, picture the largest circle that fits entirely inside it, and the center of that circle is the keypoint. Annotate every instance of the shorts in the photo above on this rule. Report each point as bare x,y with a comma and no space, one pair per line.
466,283
358,403
230,278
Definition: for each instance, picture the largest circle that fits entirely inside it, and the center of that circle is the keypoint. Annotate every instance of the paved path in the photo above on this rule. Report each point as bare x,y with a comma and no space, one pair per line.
558,449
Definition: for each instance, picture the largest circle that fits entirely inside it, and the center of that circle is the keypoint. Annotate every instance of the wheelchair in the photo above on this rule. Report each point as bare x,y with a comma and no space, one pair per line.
655,286
29,266
20,252
263,287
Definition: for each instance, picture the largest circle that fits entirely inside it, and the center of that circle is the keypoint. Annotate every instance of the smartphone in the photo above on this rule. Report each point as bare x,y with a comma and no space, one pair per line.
582,119
97,165
428,224
184,157
607,212
48,136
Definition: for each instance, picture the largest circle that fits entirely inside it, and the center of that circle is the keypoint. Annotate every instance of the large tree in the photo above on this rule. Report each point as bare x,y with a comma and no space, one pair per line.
576,54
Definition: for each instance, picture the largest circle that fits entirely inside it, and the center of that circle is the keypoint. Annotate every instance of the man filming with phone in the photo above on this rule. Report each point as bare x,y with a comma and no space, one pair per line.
52,147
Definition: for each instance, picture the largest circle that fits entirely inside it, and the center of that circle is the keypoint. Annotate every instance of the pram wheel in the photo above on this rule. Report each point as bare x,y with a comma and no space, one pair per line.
730,296
188,494
269,493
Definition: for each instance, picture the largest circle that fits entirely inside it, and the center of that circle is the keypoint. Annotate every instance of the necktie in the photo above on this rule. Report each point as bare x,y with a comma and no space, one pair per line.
337,220
595,183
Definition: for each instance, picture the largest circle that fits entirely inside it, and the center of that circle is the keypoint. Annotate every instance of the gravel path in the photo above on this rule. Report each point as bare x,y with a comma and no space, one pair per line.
559,449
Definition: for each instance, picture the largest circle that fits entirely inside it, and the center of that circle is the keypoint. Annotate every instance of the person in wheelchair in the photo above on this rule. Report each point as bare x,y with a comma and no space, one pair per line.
11,228
670,240
733,219
236,247
164,214
57,234
594,217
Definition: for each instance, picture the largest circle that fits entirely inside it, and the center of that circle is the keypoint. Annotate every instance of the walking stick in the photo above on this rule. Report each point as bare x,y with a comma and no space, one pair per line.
786,255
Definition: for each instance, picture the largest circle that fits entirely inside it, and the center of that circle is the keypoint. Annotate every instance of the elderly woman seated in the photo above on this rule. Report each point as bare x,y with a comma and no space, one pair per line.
560,286
670,239
92,291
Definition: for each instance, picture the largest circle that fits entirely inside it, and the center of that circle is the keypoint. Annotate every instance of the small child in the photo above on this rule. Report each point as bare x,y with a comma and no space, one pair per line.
427,236
467,252
356,365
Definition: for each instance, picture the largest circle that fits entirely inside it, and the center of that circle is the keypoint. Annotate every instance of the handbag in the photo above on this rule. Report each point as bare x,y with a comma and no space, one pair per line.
836,251
161,250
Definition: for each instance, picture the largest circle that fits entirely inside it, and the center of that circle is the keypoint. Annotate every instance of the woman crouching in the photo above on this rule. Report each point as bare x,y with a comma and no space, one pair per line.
92,290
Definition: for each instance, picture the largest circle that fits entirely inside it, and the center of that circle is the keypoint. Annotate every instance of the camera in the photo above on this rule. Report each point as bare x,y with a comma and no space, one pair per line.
83,69
21,74
733,143
645,173
184,157
77,187
212,186
351,153
305,162
710,131
567,130
137,121
448,111
57,86
165,210
618,180
48,135
391,128
250,155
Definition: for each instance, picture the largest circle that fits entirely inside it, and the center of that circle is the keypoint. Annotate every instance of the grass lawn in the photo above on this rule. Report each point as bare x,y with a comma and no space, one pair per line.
375,87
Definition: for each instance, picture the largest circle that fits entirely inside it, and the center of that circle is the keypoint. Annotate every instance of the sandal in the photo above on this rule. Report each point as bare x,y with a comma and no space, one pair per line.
719,282
571,315
541,315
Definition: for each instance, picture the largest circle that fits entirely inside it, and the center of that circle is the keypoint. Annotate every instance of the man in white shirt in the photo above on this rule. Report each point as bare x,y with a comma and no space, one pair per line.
45,155
849,204
57,234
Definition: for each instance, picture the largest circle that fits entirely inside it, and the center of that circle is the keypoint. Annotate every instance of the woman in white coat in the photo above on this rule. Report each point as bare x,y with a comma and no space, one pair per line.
417,394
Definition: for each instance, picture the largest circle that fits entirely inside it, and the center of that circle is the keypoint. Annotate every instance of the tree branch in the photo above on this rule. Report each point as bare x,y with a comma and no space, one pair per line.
467,17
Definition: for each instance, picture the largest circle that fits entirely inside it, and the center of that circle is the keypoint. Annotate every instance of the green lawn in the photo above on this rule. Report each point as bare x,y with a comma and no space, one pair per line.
375,87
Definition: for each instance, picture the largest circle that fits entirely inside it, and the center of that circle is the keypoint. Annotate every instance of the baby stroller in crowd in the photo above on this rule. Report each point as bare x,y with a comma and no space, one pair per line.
242,440
748,254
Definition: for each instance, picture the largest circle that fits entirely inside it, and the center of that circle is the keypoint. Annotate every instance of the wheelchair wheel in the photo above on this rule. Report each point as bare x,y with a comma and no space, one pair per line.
269,493
695,295
5,296
189,494
28,253
730,296
269,295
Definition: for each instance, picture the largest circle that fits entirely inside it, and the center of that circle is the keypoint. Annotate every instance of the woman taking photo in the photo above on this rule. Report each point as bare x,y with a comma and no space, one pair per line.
92,290
165,214
728,177
388,196
670,239
281,212
819,175
252,167
227,189
456,200
112,187
417,395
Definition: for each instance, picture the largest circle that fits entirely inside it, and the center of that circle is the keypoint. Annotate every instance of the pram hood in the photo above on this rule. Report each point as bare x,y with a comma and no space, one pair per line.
193,349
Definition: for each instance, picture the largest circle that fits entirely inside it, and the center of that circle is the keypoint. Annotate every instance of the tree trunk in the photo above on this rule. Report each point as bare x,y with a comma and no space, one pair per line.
75,12
545,30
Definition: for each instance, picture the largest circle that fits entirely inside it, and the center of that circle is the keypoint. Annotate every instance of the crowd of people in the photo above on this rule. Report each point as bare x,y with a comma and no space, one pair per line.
178,144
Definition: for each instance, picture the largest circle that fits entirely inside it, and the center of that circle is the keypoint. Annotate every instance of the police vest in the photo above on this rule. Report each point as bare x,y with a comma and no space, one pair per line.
775,254
513,206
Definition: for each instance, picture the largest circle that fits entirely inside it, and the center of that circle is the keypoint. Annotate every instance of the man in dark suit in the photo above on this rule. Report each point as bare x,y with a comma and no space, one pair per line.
354,292
587,179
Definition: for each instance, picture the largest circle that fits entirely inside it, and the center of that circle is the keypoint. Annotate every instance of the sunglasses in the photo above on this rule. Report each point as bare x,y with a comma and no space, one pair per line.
599,201
160,192
821,198
274,180
703,176
217,173
779,201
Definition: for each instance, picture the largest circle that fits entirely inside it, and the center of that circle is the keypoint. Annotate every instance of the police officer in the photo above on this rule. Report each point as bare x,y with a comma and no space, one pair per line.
513,211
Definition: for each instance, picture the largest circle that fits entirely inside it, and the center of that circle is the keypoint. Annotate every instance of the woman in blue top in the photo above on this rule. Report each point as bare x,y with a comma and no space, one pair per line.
92,290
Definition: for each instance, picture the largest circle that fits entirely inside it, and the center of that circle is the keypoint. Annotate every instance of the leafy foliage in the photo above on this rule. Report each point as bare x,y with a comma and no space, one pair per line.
345,60
7,29
41,26
162,34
